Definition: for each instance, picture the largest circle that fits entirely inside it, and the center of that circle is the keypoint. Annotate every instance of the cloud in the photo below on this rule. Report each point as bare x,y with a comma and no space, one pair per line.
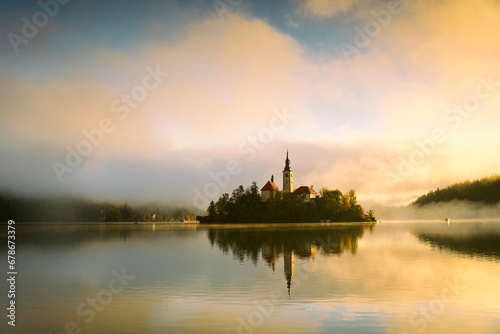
354,121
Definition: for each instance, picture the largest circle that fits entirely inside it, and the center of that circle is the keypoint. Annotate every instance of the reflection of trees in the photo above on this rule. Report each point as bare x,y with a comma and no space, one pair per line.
271,244
65,235
476,244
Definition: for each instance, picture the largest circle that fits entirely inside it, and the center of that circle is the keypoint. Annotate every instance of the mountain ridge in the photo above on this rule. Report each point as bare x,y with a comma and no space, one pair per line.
485,190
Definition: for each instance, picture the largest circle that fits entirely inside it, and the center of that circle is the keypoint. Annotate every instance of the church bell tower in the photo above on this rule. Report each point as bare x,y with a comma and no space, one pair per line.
287,176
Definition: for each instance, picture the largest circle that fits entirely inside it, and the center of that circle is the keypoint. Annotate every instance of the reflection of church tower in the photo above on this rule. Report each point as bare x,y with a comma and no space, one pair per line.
287,176
269,254
289,267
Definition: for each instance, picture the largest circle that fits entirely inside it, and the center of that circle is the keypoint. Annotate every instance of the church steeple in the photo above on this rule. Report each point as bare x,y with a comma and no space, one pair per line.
287,176
287,163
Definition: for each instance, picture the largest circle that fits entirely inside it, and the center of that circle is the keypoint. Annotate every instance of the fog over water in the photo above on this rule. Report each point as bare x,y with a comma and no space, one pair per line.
438,211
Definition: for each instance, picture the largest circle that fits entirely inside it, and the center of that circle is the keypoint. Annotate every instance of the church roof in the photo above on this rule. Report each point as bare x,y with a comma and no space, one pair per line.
304,190
270,186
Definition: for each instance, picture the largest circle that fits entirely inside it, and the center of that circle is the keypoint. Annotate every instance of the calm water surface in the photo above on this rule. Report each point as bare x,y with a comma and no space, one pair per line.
390,278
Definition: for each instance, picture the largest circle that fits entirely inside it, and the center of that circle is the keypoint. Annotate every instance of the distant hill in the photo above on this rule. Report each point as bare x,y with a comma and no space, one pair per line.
71,209
485,190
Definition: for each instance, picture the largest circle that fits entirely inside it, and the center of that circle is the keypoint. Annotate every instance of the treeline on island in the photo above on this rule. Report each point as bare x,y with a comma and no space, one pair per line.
64,209
246,206
485,190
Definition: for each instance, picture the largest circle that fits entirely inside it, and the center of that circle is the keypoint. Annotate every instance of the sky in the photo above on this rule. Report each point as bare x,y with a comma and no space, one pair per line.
181,101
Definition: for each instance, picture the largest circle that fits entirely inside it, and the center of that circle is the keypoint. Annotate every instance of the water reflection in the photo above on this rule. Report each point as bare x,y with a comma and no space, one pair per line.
69,235
478,243
186,280
287,243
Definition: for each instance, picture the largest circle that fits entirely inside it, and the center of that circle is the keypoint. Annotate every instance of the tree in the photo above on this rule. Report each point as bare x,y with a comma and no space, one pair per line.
246,206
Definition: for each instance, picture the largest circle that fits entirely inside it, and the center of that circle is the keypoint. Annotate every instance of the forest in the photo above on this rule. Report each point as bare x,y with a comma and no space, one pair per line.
246,206
485,190
70,209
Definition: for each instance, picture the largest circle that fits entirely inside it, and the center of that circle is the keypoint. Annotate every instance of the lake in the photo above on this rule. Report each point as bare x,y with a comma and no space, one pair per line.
393,277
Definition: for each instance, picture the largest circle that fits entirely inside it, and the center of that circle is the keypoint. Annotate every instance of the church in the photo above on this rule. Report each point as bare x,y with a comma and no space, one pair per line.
305,193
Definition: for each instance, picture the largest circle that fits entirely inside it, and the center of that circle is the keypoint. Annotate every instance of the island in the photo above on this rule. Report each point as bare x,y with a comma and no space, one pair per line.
272,205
